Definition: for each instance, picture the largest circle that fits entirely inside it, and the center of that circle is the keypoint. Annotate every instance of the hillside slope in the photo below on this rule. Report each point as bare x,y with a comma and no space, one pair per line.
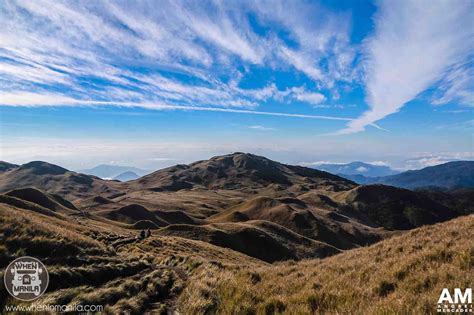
396,208
328,226
239,171
260,239
50,201
459,174
451,175
56,180
92,262
5,166
401,275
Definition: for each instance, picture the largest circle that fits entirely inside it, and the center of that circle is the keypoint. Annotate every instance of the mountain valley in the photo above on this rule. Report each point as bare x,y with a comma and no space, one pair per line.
232,211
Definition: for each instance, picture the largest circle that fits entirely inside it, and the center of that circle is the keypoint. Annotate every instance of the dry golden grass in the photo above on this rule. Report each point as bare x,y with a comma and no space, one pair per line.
402,275
93,262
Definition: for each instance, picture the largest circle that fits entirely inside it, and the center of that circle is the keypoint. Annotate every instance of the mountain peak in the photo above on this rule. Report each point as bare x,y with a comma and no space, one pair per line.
126,176
43,168
240,171
240,160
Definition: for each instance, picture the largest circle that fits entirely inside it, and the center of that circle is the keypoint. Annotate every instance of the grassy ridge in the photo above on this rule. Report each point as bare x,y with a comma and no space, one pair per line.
92,262
401,275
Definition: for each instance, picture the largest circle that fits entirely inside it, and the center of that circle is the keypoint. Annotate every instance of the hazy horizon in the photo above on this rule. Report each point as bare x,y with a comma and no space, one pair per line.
160,163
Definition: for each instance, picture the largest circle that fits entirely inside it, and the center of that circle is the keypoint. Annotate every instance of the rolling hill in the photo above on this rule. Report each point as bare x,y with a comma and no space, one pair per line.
237,233
56,180
5,166
50,201
235,189
402,275
239,171
260,239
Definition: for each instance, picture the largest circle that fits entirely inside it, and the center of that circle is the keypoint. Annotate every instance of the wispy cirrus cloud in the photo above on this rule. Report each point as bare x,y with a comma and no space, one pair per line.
458,85
166,51
261,128
416,43
166,54
50,100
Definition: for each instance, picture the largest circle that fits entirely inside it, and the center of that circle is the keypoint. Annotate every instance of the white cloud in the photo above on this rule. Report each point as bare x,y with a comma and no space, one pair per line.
183,56
414,45
318,163
35,99
27,99
457,86
361,169
433,159
303,62
310,97
62,45
380,163
261,128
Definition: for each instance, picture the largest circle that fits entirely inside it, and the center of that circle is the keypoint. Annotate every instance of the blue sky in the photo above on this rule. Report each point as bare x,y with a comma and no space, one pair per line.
155,83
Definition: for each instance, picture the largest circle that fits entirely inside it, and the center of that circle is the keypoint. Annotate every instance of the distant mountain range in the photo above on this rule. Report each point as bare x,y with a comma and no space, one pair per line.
457,174
357,168
126,176
105,171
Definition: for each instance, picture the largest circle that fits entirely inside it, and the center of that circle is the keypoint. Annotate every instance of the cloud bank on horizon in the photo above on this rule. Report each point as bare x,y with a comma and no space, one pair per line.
226,56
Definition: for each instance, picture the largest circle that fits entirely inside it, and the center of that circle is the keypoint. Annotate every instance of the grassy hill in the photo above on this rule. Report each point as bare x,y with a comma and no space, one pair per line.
56,180
458,174
401,275
238,171
94,262
215,227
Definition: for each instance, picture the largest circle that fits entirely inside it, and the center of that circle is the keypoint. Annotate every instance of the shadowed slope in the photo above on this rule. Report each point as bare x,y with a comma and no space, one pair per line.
401,275
131,214
5,166
396,208
458,174
94,201
296,215
238,171
260,239
141,217
52,202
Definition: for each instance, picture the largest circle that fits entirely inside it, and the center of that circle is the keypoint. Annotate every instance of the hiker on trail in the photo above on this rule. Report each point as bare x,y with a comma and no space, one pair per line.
148,233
